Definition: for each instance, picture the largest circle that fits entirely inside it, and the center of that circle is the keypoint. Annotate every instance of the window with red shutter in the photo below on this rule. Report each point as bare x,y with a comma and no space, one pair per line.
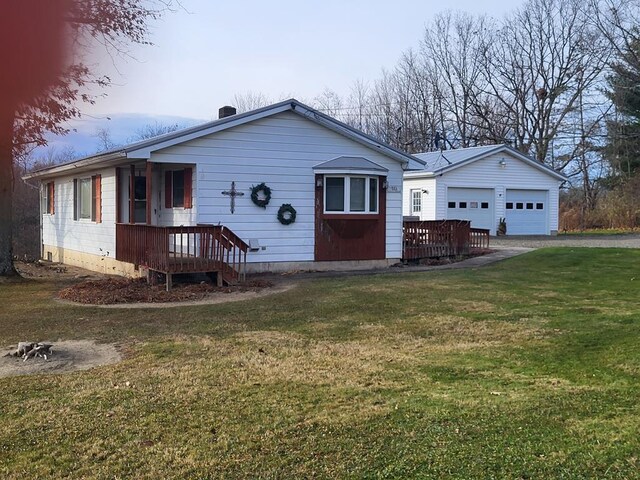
178,188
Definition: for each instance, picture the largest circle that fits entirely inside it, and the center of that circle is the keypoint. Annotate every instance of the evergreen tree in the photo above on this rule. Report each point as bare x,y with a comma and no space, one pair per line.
623,132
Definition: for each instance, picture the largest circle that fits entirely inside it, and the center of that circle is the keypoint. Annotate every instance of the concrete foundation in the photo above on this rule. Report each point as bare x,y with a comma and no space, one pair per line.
111,266
279,267
95,263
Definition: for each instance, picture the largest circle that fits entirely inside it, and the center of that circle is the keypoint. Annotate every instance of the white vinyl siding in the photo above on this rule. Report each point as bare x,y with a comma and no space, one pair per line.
280,151
60,230
427,187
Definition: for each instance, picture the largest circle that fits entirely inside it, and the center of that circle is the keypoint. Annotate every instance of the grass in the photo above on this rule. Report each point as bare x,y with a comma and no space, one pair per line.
526,369
600,231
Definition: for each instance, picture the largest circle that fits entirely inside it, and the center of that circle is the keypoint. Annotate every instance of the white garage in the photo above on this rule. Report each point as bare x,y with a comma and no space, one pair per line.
484,185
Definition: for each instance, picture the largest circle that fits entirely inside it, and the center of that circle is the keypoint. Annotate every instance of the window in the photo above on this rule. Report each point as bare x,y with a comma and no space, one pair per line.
357,194
509,205
539,206
84,198
416,201
351,194
462,205
529,206
140,199
334,192
452,205
519,206
484,205
473,204
87,203
48,198
178,188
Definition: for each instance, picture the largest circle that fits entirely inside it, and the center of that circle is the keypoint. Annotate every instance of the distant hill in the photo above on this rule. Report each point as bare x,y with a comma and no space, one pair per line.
122,129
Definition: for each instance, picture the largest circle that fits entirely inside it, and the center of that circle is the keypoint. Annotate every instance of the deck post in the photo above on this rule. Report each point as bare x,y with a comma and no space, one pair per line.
132,194
149,198
169,280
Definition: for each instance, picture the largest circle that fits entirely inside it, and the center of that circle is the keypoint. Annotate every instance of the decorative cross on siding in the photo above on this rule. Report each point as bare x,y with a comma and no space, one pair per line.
233,193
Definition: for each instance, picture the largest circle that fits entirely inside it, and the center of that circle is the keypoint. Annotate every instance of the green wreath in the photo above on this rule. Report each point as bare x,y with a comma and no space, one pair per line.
255,195
286,214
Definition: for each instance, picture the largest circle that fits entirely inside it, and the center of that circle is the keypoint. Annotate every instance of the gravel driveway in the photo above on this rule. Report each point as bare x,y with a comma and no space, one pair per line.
607,241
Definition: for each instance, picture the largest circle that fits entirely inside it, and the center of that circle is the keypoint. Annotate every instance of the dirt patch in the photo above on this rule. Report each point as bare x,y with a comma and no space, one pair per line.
112,291
51,270
67,356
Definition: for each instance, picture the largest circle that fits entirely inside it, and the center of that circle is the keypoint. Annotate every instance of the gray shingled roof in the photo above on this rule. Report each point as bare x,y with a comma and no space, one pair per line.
122,153
436,160
440,162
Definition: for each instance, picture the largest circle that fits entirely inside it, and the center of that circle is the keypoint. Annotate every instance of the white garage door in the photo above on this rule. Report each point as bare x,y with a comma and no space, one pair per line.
527,212
474,204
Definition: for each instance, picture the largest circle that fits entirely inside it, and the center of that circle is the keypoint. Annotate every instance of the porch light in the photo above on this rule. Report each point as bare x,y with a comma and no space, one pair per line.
385,184
502,163
319,182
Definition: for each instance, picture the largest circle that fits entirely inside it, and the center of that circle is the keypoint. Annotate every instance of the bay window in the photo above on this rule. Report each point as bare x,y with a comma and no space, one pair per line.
351,194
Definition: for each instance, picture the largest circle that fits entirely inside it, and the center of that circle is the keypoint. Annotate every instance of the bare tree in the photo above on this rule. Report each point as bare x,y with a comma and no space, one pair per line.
544,58
155,129
250,101
105,140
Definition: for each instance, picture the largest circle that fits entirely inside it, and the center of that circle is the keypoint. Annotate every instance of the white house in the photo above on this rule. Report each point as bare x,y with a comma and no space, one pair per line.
483,185
338,191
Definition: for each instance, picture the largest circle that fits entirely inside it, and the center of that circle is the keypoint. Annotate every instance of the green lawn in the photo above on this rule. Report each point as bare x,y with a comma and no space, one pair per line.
526,369
589,232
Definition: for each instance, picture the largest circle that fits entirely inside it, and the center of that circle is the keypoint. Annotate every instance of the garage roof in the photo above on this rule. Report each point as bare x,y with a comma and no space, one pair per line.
441,162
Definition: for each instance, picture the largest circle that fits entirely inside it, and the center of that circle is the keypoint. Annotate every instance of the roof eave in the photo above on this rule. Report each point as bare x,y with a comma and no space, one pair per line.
78,165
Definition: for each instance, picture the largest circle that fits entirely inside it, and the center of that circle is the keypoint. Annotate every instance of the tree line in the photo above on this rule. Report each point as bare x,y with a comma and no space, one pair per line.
555,79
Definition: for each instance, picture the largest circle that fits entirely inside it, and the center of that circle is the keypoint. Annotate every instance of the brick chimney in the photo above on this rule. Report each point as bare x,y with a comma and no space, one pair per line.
226,111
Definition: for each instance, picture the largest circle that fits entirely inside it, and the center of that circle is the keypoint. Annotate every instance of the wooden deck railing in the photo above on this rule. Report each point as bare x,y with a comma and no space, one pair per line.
435,238
479,238
184,249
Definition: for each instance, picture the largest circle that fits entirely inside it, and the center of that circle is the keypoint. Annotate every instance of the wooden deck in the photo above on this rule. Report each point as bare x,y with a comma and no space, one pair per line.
441,238
183,249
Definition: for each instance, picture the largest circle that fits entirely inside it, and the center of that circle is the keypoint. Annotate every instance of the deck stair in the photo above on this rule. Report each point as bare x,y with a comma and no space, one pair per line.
184,249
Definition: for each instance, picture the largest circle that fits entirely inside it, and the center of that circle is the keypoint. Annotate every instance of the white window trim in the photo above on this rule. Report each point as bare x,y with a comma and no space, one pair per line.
413,209
347,194
44,203
79,200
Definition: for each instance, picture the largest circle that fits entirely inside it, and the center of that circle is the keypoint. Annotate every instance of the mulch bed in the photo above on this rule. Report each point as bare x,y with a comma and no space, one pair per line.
126,290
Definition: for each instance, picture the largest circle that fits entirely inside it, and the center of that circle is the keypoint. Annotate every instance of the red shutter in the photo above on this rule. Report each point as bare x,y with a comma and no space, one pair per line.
98,189
168,189
188,188
52,205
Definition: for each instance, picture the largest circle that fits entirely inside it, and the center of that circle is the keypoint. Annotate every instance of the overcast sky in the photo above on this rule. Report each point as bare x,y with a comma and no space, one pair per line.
201,57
